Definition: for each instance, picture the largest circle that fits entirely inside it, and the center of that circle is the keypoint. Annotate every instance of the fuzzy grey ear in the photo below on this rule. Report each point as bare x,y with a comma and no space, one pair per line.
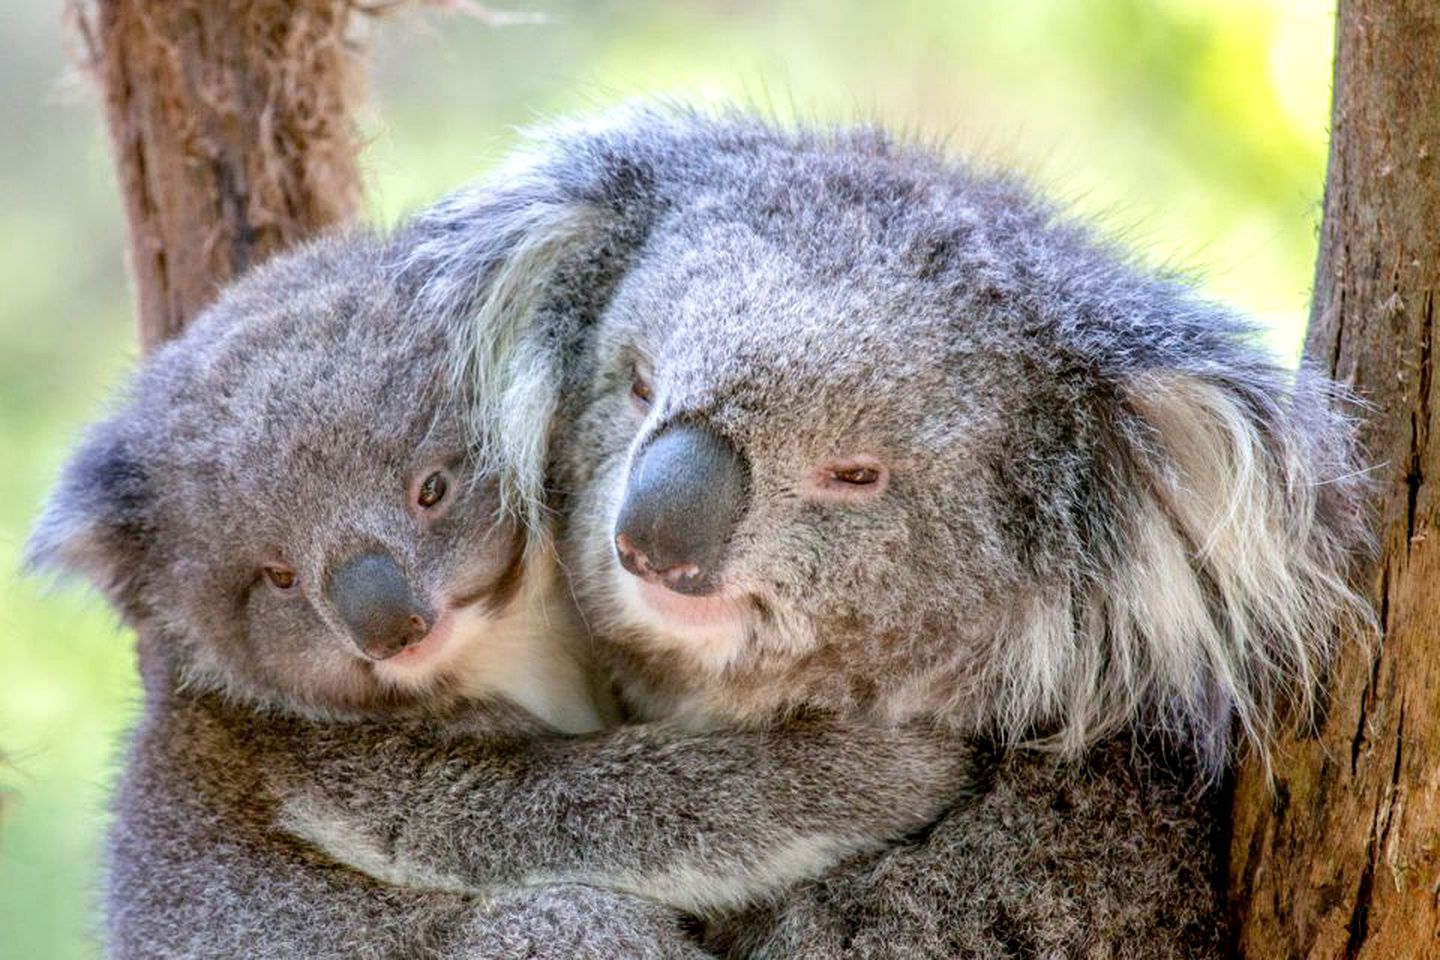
1231,504
1251,518
96,521
515,267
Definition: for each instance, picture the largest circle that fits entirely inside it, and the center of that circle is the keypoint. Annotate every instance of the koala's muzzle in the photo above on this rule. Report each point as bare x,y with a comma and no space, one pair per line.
380,610
686,493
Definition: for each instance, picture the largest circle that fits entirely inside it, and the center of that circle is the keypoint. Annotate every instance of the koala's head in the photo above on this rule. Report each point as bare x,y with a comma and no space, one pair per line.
838,421
286,499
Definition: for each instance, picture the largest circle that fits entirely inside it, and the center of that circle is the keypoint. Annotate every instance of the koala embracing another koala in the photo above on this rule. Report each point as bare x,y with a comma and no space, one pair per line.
861,466
288,509
830,423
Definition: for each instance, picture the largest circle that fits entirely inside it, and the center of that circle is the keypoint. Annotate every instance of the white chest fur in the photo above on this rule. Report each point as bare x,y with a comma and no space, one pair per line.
535,654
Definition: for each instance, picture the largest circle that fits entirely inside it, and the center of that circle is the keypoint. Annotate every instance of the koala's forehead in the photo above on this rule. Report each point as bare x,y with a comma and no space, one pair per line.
945,259
868,293
313,393
735,313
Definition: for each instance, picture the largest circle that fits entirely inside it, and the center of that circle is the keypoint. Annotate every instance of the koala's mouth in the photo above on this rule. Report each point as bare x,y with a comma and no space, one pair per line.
427,647
717,632
686,611
713,629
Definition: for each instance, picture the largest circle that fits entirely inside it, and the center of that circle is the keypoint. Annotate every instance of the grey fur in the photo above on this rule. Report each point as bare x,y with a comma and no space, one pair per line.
292,424
1114,527
1105,858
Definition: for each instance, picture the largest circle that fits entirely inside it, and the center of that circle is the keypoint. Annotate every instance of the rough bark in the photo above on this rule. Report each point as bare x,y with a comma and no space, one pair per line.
232,136
1341,855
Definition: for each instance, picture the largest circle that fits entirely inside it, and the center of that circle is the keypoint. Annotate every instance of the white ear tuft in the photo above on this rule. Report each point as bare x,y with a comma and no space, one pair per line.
1228,591
484,261
511,372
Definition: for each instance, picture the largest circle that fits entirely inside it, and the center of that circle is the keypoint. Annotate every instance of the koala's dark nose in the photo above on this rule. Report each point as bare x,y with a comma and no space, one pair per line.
687,491
380,610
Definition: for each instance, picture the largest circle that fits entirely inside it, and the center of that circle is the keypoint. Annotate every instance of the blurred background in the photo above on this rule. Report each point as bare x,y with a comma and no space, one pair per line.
1192,129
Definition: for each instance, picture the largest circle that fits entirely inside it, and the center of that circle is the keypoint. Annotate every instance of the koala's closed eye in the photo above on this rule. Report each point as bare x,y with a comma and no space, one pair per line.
848,479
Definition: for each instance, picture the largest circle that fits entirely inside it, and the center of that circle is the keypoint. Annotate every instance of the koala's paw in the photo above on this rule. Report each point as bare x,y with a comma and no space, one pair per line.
901,905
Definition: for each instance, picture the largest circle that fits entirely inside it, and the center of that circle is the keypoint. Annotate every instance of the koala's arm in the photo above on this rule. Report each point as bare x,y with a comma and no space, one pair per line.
1100,861
196,871
698,821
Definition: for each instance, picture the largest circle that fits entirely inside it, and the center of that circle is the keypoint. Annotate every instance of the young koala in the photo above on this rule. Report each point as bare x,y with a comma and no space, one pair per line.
834,423
289,510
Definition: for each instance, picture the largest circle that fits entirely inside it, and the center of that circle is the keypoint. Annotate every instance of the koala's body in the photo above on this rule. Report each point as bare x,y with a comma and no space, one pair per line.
336,610
835,423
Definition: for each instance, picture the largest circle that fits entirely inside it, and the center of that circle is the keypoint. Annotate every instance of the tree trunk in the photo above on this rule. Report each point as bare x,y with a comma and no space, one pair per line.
1341,855
232,136
231,130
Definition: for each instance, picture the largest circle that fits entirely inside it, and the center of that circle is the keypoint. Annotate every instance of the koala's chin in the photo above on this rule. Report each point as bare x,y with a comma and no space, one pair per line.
520,653
712,630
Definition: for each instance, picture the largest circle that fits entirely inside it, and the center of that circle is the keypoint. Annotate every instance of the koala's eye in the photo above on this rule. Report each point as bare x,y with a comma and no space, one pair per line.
281,577
849,479
432,490
857,476
641,390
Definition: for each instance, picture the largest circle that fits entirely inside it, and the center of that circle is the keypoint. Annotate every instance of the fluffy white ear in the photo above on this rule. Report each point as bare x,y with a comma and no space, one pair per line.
1226,590
1239,581
517,264
500,357
489,260
95,522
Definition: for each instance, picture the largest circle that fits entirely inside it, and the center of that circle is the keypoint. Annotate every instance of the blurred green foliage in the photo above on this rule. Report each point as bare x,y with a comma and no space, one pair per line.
1193,128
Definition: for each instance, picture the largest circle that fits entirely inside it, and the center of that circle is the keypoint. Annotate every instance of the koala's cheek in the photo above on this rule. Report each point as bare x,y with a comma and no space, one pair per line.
588,540
830,567
608,436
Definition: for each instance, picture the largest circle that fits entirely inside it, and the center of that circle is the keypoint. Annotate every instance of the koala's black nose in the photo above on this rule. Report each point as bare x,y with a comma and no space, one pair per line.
687,491
380,610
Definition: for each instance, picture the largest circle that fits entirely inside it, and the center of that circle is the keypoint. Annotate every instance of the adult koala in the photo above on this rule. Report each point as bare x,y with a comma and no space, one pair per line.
832,423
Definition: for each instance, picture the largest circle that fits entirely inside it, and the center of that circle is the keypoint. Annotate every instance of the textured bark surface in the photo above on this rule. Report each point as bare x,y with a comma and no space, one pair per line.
232,136
1342,857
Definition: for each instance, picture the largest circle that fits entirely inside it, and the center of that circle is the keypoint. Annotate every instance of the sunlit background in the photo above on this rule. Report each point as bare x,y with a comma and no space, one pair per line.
1194,129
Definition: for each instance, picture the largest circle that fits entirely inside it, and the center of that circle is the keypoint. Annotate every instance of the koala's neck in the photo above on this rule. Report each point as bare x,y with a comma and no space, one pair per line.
657,682
894,680
536,654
